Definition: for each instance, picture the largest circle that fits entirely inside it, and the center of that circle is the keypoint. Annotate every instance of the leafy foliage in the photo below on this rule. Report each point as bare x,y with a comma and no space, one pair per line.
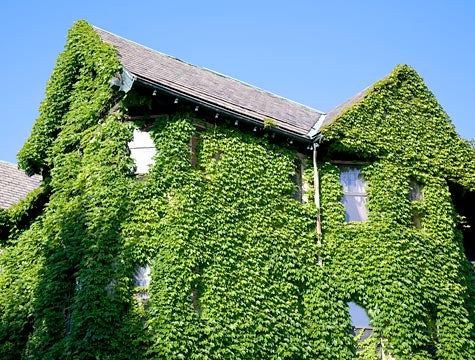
232,252
414,282
226,283
233,255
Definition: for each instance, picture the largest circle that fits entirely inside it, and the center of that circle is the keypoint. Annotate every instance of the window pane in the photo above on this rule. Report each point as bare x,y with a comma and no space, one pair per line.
354,193
415,192
297,180
143,159
142,276
355,207
141,139
352,180
359,317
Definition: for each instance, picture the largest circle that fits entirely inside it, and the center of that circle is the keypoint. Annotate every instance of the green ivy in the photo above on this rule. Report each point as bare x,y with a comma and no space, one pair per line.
414,282
233,256
226,283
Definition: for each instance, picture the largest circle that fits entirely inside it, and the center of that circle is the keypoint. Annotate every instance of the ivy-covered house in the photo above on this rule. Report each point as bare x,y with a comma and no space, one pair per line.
187,215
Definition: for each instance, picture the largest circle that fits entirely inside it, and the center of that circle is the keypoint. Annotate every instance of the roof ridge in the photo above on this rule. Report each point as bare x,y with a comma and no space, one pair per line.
261,89
141,45
214,72
8,162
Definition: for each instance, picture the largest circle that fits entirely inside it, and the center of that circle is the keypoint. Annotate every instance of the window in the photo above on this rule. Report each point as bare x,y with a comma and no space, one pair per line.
415,192
359,316
354,193
142,149
297,180
142,276
464,204
194,144
141,279
416,196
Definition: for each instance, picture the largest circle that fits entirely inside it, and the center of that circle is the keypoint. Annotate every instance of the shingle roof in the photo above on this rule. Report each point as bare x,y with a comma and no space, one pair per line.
364,331
211,88
337,111
331,116
15,184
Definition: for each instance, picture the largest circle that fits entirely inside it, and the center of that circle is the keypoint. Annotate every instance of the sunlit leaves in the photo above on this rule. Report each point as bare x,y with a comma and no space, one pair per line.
411,279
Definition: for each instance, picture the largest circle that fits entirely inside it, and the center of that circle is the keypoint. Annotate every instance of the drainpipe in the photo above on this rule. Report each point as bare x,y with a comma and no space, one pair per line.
316,186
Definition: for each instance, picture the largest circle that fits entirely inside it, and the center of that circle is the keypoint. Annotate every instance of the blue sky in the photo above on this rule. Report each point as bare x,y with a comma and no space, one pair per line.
314,52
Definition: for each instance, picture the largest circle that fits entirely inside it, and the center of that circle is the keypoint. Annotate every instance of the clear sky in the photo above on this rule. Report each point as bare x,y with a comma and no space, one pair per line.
314,52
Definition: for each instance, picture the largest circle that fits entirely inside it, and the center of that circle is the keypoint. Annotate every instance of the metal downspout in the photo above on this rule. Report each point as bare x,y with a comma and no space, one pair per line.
316,185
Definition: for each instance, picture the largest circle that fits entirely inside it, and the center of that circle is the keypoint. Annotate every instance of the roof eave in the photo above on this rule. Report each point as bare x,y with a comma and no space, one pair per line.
302,137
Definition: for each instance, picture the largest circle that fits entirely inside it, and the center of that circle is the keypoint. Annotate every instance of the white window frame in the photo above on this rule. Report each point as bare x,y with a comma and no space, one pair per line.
142,150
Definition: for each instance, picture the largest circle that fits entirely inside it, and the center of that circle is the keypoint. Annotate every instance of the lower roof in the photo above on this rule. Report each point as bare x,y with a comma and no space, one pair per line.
15,184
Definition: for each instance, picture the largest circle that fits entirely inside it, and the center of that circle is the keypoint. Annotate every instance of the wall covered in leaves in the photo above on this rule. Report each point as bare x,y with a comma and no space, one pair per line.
412,277
233,256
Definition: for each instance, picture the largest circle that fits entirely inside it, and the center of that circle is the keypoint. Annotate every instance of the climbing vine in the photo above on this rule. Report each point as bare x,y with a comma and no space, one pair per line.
413,280
233,255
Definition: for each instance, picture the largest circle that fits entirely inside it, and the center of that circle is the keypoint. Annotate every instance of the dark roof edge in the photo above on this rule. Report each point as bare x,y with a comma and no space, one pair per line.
219,109
134,42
